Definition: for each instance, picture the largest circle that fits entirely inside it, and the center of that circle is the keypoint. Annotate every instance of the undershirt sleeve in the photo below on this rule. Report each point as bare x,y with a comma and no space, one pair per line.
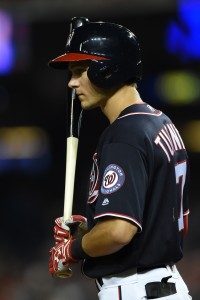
122,183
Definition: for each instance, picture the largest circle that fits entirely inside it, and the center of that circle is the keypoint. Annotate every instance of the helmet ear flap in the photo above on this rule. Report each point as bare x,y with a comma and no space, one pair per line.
107,71
104,74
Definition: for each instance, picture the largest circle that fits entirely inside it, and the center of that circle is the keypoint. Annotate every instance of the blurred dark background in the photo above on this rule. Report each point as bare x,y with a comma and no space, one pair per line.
33,104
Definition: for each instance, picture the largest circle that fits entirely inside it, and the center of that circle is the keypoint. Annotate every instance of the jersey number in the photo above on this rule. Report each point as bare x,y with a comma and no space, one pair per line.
180,170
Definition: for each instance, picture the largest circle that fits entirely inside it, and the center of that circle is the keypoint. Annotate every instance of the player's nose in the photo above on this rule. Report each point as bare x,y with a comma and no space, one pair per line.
73,83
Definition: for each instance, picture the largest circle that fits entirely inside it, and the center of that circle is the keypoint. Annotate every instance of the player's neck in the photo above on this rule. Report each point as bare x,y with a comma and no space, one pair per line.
122,98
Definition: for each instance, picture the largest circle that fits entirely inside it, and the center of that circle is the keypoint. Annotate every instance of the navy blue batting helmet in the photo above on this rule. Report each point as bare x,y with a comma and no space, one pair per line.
113,50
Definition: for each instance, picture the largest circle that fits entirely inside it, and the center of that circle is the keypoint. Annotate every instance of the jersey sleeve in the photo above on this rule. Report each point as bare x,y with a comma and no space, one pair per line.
122,183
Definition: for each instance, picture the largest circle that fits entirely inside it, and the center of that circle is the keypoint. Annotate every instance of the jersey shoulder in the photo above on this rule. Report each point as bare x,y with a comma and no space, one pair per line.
135,124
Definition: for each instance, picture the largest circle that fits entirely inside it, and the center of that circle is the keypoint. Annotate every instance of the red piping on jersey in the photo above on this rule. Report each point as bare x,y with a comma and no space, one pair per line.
159,113
120,216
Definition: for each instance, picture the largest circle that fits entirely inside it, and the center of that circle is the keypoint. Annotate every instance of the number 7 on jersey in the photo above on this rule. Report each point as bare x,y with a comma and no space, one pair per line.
180,171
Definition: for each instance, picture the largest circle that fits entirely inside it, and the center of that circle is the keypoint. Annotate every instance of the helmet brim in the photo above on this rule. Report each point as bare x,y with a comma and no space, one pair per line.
61,62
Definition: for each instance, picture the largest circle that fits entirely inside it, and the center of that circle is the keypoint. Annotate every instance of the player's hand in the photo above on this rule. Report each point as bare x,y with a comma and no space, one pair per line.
60,258
75,226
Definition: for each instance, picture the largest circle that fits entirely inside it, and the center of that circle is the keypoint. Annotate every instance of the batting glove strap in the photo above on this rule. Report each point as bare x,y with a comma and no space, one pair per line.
69,259
77,251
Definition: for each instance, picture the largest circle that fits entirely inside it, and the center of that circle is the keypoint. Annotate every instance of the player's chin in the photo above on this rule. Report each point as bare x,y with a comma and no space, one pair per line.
87,106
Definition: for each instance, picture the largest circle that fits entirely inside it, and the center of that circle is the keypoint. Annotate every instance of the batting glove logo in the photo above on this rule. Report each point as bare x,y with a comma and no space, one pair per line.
113,179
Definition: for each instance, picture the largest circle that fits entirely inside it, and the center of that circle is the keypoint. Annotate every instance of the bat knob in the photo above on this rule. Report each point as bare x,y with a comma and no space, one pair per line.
77,22
63,274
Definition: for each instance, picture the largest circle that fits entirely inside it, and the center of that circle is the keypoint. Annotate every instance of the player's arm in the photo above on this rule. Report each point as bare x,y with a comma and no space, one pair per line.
108,236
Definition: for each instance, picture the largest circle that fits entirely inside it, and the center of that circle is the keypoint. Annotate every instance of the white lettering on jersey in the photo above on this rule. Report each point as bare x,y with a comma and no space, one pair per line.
169,140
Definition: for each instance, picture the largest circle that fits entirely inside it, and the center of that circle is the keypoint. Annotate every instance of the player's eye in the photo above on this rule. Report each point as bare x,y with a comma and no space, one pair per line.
77,72
81,70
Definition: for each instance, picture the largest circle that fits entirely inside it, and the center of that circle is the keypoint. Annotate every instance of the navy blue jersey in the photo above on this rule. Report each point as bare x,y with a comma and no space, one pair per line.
140,174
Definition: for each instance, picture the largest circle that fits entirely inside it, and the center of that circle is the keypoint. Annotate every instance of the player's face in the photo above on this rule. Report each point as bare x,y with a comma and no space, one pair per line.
89,95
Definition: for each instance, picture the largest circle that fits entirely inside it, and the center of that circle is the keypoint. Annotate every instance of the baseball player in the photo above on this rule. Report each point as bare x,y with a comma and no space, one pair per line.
137,204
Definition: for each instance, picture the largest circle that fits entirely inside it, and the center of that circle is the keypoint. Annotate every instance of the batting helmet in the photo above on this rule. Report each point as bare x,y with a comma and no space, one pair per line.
113,50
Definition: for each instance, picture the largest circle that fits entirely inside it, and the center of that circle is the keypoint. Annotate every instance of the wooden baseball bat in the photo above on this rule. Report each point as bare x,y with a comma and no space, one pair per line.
74,123
74,117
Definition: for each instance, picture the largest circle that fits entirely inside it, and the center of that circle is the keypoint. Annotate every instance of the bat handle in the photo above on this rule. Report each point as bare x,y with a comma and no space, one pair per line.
72,146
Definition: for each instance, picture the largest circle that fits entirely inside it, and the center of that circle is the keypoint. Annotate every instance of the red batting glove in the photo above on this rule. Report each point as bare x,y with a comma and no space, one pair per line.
60,258
63,229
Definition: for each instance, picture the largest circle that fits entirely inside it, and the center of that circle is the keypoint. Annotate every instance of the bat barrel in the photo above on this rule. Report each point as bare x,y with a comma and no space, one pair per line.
72,146
74,116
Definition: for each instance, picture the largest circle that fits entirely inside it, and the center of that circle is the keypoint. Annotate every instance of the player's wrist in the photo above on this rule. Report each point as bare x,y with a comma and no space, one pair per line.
77,251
